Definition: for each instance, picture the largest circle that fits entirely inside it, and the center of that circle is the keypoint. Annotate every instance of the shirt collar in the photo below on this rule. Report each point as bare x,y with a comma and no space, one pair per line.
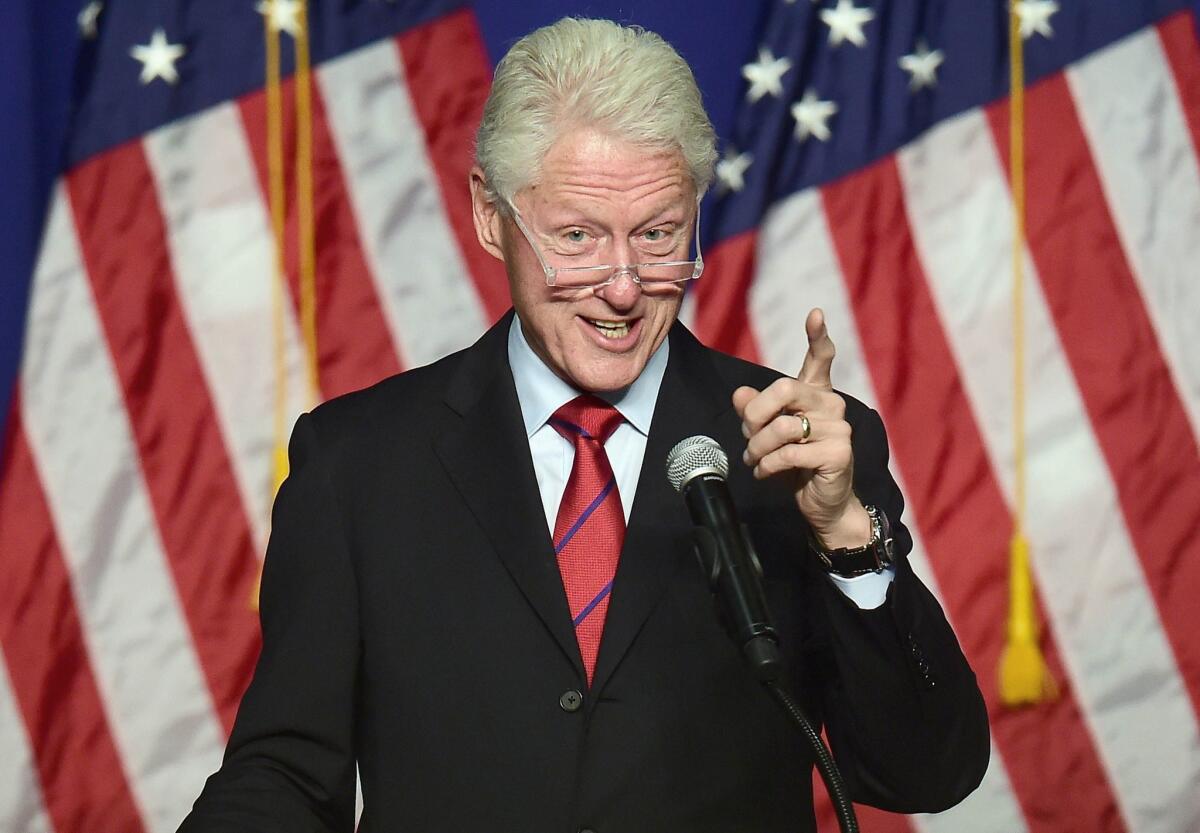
541,392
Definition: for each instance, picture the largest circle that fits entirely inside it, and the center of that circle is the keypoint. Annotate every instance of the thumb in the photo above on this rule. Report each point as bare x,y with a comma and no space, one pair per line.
818,361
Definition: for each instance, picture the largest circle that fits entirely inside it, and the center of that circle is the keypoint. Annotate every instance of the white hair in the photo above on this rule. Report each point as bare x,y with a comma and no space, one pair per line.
621,80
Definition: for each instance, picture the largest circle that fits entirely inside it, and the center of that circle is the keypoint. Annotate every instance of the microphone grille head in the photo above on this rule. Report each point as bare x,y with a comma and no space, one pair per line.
694,456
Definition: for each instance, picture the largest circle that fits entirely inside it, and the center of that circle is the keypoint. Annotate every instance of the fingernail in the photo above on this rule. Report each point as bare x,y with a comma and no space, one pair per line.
746,456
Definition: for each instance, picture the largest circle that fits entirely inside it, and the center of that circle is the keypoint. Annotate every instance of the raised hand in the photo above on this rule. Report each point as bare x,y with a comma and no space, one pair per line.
796,428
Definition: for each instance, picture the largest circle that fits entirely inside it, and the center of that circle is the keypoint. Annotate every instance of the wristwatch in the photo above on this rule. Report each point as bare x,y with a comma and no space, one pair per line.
872,557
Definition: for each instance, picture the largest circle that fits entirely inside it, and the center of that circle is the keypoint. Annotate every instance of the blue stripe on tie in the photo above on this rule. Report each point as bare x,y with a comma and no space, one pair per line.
583,614
570,426
570,533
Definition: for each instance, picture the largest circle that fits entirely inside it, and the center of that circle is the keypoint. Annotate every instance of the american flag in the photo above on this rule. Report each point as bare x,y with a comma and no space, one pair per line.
867,173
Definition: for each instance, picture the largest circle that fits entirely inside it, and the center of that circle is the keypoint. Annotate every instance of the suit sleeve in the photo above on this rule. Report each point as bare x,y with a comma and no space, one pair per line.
290,763
904,714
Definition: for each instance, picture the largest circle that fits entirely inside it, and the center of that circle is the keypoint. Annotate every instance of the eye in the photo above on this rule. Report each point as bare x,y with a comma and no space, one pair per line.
576,235
655,235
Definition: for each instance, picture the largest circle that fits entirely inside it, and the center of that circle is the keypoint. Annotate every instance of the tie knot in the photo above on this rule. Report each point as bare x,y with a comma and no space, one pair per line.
586,416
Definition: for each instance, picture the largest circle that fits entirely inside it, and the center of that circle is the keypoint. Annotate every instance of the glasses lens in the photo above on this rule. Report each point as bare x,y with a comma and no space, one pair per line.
657,273
574,277
666,272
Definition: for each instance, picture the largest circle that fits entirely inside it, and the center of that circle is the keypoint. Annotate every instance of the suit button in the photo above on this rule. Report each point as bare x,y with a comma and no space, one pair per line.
571,701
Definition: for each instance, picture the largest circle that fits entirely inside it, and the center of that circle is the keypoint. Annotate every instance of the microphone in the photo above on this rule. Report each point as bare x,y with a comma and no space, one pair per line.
697,468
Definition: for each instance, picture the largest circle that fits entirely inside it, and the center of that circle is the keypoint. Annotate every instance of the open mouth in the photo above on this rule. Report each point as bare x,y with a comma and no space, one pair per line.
610,329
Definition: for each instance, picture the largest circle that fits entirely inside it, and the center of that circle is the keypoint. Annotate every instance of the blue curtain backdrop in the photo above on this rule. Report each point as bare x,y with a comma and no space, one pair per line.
38,41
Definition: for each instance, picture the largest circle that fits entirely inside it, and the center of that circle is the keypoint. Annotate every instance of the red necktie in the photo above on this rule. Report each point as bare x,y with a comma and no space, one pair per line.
590,528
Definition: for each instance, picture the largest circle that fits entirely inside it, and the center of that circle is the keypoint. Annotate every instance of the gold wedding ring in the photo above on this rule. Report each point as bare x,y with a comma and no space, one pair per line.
806,428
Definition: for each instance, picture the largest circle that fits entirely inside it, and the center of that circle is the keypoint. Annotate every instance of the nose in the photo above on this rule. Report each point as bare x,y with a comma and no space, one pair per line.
622,293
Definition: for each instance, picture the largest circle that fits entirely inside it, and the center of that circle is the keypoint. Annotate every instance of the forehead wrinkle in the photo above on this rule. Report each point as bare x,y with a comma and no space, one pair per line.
616,174
607,179
660,196
650,195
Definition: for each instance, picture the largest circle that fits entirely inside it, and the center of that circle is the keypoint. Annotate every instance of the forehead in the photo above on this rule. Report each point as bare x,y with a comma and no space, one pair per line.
587,170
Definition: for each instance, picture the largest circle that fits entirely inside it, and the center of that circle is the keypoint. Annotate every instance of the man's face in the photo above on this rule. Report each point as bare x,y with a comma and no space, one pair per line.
599,200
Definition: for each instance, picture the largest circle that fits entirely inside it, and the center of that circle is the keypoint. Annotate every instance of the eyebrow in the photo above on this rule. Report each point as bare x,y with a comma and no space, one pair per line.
579,217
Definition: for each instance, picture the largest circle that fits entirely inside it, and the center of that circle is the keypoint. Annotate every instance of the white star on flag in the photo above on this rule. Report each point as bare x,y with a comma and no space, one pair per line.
87,19
1035,17
765,76
921,66
284,15
811,115
158,58
731,171
845,22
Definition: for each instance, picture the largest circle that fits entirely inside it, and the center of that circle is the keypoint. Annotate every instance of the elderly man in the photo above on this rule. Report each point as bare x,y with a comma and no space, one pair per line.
480,586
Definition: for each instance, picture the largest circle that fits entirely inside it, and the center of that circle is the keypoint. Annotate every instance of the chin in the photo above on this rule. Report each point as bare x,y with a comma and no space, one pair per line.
609,376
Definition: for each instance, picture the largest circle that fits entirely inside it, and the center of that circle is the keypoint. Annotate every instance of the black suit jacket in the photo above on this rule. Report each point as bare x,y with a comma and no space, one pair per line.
414,620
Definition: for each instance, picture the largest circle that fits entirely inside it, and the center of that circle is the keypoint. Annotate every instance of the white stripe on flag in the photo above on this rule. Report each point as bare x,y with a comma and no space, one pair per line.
20,792
73,411
798,270
223,260
1130,111
422,280
1105,620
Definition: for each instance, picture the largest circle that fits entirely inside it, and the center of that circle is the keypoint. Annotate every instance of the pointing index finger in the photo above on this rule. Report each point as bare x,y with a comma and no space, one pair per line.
818,361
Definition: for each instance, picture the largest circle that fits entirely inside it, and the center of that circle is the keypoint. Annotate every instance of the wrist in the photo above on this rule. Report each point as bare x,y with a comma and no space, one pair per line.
851,530
872,557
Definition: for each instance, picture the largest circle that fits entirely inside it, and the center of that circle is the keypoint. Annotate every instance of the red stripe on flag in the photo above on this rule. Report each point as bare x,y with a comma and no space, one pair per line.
723,296
1136,413
183,457
83,781
875,820
354,346
448,75
1181,43
956,500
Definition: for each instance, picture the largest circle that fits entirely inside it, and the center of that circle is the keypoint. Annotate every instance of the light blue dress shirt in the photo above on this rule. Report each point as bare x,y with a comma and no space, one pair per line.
541,392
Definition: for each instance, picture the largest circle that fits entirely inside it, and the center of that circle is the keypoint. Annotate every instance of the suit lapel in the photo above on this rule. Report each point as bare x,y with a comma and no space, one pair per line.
488,459
658,539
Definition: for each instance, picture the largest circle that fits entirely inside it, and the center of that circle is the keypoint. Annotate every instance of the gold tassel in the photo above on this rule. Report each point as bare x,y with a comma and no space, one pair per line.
1025,678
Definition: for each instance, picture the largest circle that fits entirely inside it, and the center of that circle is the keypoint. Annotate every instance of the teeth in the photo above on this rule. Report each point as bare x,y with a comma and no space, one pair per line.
611,329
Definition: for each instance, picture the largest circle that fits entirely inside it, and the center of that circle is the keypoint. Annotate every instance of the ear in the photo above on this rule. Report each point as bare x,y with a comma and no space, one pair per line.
486,214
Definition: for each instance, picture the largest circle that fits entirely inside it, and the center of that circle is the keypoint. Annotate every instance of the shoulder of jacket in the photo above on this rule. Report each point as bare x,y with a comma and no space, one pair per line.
389,405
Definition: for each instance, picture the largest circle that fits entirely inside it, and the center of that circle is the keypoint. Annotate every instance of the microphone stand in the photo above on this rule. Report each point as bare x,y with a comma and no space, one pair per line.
691,465
763,657
765,661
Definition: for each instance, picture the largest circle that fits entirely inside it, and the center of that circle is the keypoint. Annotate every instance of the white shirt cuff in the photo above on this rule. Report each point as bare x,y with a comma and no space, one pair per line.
867,591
